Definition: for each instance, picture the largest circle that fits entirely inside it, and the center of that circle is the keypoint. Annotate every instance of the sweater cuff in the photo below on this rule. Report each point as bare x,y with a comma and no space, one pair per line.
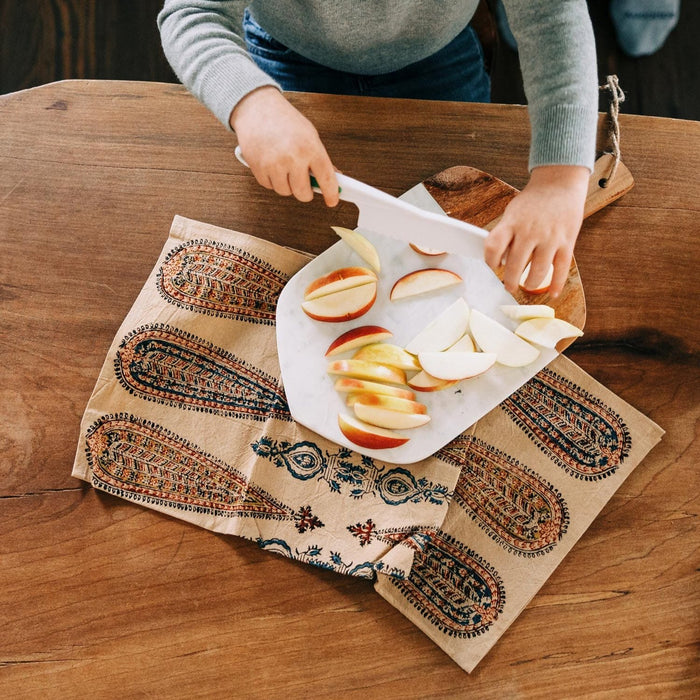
563,135
227,82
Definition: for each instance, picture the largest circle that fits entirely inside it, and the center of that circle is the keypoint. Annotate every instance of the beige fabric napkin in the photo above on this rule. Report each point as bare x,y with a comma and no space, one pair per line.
189,417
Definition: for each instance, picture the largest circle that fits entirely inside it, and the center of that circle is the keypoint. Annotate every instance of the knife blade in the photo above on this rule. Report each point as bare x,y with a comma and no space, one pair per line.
384,214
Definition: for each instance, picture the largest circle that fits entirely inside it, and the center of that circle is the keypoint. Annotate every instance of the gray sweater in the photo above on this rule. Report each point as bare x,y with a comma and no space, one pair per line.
203,42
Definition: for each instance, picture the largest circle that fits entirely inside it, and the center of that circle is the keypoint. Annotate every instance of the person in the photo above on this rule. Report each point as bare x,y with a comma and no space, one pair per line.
239,61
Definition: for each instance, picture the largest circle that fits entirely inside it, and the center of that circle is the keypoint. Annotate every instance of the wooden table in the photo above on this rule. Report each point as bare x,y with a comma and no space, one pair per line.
103,598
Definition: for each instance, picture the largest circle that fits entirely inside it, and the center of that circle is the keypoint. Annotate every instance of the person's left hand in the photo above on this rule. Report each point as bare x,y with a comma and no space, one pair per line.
540,225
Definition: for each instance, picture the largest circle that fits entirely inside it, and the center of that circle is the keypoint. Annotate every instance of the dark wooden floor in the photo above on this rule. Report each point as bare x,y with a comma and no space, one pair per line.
46,40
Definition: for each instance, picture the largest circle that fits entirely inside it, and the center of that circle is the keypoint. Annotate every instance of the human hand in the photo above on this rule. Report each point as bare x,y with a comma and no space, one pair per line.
540,225
282,147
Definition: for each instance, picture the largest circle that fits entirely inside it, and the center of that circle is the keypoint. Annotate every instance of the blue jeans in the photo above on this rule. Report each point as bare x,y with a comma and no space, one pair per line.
456,72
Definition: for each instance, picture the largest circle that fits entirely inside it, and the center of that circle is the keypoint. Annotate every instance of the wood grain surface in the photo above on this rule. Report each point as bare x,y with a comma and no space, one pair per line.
103,598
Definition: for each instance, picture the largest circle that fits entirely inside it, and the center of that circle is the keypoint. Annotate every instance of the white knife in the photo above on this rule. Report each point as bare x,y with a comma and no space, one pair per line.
381,213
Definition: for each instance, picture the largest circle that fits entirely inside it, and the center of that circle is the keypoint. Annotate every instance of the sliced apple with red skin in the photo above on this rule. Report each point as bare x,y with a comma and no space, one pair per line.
547,332
338,280
342,306
371,371
357,337
387,354
444,330
350,385
429,252
369,436
363,247
523,312
429,279
492,337
390,412
424,382
540,288
455,366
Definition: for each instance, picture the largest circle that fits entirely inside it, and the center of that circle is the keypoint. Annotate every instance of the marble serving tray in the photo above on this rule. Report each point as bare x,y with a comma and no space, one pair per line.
302,343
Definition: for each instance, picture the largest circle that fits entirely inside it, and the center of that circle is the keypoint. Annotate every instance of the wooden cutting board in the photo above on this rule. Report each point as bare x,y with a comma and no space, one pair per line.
479,198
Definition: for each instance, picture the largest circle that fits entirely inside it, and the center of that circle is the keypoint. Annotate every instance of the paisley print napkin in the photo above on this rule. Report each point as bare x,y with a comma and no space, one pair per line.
189,417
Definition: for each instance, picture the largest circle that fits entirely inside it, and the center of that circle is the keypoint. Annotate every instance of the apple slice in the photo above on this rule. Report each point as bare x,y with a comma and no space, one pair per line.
357,337
390,412
372,371
430,252
369,436
444,330
547,332
387,354
464,344
455,366
429,279
342,306
351,385
424,382
540,288
360,245
338,280
492,337
522,312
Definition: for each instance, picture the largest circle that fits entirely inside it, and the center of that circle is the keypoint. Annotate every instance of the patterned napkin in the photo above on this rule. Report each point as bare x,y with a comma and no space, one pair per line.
189,417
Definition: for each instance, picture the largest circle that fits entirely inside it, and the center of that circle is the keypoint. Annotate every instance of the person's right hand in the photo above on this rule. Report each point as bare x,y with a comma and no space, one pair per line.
282,147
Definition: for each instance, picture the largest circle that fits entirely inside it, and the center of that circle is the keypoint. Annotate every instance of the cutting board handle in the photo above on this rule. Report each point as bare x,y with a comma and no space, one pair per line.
601,189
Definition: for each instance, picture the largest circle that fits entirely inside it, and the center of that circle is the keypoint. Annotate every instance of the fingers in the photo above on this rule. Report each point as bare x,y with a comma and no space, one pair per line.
497,244
562,264
296,181
282,147
324,172
521,253
539,227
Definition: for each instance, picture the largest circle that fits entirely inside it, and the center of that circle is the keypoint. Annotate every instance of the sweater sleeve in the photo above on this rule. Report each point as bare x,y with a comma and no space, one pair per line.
556,46
203,43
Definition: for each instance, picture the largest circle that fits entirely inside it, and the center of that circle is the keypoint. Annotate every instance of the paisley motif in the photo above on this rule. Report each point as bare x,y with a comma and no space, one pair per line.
344,470
170,366
518,508
453,588
142,461
221,280
576,430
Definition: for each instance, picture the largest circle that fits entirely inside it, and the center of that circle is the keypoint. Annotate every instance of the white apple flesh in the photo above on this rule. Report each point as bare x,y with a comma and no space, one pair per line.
357,337
455,366
464,344
429,252
390,412
444,330
371,371
338,280
540,288
424,382
547,332
387,354
345,305
351,385
523,312
492,337
429,279
369,436
360,245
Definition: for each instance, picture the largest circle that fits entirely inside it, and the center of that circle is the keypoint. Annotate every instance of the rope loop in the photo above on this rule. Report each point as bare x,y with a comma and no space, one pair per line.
617,96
